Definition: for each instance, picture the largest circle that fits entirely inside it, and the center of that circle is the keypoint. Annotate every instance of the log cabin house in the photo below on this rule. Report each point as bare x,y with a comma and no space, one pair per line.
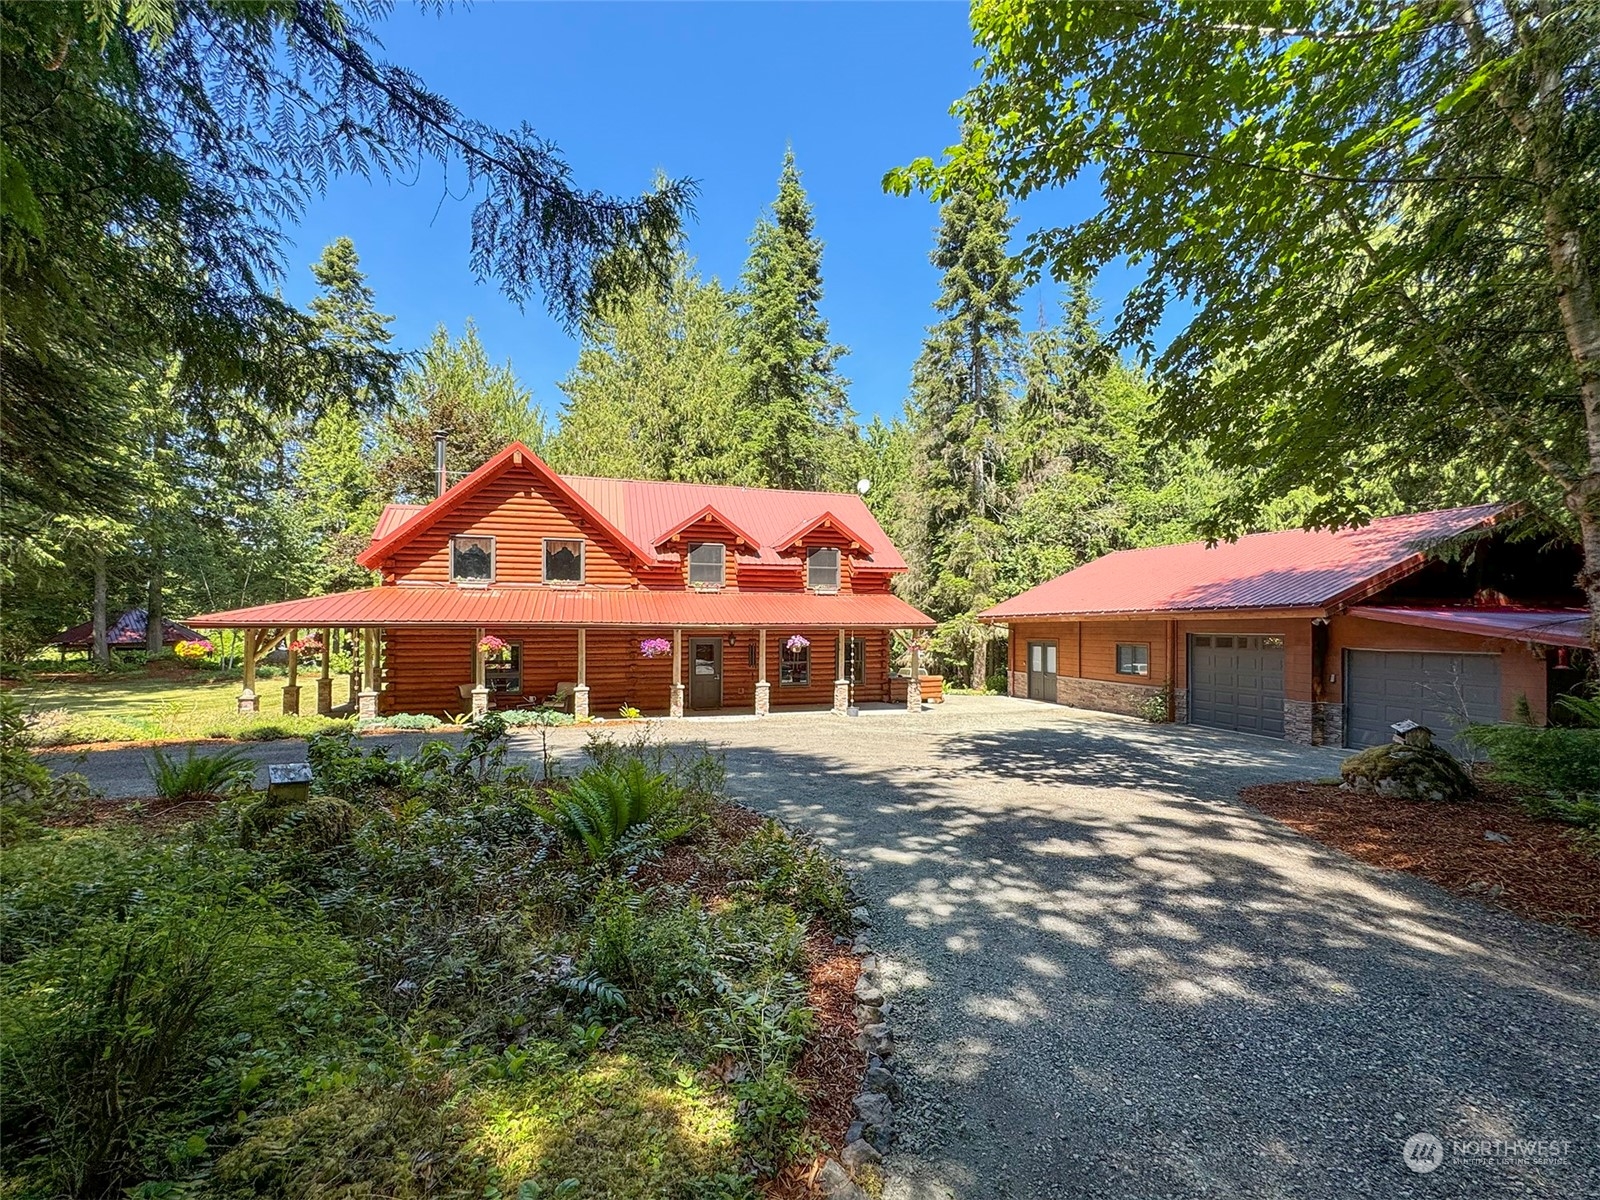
519,586
1315,636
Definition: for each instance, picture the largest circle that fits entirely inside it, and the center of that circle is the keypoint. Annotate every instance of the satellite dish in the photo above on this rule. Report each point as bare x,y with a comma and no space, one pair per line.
863,486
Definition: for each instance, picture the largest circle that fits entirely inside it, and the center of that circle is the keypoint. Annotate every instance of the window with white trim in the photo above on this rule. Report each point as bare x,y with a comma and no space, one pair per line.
563,560
472,559
822,569
707,564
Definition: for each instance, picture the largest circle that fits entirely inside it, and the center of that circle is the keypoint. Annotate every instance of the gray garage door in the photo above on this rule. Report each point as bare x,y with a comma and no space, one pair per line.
1441,691
1236,682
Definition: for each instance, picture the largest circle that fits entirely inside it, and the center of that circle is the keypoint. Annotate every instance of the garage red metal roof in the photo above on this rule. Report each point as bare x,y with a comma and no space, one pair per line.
534,605
1544,626
1292,569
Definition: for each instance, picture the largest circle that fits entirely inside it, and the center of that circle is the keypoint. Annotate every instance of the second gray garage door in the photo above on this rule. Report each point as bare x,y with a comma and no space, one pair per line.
1441,691
1236,682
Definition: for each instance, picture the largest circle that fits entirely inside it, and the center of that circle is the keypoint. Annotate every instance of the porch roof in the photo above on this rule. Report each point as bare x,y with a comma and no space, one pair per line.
1543,626
510,604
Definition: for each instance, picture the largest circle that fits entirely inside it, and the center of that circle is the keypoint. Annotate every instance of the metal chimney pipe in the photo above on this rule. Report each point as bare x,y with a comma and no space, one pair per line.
442,479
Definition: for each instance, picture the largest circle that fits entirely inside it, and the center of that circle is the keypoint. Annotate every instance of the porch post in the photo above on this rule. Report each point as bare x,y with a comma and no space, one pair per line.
357,657
914,684
675,706
291,689
325,680
580,694
841,684
763,688
480,676
247,697
367,702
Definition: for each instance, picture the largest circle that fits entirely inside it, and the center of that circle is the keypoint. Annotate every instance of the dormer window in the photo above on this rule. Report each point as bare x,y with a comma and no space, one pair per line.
707,564
822,569
563,560
472,559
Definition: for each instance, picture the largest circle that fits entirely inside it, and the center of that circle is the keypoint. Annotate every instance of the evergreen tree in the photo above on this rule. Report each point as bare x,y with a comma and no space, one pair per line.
795,420
960,410
655,390
453,387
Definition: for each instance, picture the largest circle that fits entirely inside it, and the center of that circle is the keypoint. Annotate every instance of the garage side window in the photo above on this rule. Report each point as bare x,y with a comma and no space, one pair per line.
1133,658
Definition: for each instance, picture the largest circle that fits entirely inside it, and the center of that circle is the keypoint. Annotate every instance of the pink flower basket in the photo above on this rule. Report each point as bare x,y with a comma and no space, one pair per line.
655,647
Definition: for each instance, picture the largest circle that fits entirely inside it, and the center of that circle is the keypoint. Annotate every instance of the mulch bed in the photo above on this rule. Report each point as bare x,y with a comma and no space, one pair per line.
1543,873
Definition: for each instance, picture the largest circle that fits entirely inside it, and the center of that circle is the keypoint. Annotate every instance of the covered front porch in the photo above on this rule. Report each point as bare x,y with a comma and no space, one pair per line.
406,659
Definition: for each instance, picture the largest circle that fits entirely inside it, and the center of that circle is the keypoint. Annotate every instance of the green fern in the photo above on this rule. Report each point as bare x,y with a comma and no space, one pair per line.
600,992
598,809
200,776
1584,711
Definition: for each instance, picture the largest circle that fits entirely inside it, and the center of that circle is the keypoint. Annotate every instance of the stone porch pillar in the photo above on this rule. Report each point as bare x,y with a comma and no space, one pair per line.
675,706
580,693
367,701
480,677
763,688
325,679
291,688
914,683
248,703
841,683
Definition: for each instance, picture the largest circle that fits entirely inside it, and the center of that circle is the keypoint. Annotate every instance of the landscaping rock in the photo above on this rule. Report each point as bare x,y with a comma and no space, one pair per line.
869,964
860,1153
867,994
860,916
834,1182
1492,836
874,1108
878,1079
1407,771
876,1039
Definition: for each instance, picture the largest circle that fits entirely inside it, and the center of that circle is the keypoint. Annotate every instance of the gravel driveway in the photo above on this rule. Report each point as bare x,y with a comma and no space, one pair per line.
1110,979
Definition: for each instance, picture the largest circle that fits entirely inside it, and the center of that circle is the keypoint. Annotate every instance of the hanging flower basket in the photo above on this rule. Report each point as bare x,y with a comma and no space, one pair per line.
796,643
194,650
655,647
306,645
491,645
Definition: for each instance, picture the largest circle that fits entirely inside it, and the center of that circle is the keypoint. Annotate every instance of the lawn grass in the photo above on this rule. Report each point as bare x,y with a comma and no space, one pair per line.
162,705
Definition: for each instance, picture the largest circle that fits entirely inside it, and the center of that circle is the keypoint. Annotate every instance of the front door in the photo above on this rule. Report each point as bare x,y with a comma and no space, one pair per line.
705,673
1042,671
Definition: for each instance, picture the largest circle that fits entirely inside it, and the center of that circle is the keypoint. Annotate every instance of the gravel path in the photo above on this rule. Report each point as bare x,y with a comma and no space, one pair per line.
1110,979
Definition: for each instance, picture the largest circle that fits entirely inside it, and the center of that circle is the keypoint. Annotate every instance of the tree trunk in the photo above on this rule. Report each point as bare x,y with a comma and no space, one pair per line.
153,604
102,652
980,663
1587,510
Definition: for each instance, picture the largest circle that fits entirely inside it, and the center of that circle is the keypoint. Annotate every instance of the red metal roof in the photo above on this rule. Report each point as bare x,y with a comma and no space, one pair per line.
646,509
1293,569
417,604
647,513
1545,626
514,455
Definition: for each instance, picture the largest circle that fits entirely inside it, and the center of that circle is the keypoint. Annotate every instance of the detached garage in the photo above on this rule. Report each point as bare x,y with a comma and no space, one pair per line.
1315,636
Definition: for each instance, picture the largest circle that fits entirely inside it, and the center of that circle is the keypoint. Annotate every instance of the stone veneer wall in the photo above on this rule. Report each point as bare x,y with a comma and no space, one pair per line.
1019,684
1102,694
1313,724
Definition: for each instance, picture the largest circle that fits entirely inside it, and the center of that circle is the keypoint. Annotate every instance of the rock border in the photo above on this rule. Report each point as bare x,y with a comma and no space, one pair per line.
870,1135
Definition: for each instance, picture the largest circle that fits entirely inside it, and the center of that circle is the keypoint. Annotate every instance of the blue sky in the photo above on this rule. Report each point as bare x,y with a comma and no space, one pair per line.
712,91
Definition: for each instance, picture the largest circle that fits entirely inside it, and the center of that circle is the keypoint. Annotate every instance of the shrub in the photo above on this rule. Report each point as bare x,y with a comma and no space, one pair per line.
23,782
782,869
998,683
404,721
771,1120
340,768
1157,707
200,776
1553,759
128,1028
597,810
317,824
518,717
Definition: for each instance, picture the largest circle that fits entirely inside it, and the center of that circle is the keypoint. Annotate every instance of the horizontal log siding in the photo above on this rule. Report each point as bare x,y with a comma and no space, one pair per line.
519,515
424,669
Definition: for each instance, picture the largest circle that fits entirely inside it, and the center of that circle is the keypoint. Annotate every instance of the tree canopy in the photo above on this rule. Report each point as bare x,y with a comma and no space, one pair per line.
1383,216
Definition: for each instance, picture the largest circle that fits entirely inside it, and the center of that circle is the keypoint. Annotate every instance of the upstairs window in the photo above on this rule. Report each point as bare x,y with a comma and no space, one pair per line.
472,559
563,560
707,563
1133,658
822,569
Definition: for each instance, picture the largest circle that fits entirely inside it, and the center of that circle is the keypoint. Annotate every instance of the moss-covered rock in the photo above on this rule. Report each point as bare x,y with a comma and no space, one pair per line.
1412,770
316,824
